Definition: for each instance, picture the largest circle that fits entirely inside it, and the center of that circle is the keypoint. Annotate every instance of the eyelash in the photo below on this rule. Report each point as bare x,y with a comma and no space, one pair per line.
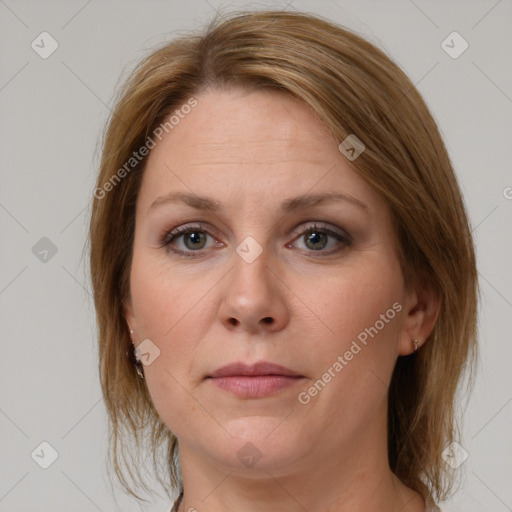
170,236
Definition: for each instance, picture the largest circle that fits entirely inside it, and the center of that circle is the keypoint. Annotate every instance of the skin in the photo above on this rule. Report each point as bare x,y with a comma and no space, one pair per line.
293,305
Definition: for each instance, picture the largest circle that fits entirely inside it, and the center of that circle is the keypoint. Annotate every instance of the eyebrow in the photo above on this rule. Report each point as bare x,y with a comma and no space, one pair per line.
288,206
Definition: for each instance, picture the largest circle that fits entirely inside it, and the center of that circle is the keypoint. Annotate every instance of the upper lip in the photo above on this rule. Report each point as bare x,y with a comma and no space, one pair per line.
254,370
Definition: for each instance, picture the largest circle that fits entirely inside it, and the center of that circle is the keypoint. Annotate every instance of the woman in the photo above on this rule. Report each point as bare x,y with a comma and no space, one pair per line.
283,274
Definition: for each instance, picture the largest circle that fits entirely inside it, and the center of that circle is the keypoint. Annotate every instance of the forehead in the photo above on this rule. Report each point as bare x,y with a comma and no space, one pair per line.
239,122
249,143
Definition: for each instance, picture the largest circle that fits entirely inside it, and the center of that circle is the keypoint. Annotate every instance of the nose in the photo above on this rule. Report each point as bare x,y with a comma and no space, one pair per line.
254,297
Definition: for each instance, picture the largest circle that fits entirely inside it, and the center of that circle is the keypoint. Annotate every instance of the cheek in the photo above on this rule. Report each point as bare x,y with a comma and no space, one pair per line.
352,368
356,299
361,310
172,312
165,299
163,303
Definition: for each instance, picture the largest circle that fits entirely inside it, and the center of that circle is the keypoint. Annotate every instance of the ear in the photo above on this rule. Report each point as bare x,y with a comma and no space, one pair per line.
421,309
128,314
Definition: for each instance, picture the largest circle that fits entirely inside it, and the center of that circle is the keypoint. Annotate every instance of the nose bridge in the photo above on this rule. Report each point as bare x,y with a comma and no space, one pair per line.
252,295
251,272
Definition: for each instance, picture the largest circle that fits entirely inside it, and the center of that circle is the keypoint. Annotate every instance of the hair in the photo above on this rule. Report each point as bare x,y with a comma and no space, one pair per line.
354,88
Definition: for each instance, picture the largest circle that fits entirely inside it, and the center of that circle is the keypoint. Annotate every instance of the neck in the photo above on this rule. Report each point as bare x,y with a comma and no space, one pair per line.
358,480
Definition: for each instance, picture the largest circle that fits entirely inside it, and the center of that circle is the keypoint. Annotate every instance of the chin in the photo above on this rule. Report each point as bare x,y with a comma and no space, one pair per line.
258,444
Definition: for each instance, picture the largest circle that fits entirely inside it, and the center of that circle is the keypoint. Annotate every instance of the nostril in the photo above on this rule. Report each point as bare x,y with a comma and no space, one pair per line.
268,320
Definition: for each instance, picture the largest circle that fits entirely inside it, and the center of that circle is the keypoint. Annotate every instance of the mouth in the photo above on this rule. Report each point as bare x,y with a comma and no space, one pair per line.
254,381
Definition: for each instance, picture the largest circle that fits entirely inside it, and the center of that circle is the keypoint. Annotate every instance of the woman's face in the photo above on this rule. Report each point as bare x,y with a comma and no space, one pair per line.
254,282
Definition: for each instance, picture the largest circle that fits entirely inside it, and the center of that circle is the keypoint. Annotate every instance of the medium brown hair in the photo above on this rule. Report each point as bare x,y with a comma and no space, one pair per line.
354,88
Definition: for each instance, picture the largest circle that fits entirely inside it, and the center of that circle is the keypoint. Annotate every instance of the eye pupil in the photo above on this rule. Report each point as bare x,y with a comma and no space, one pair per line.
195,237
314,238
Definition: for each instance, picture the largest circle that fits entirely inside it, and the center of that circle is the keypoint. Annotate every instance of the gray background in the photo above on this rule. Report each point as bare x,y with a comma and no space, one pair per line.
53,111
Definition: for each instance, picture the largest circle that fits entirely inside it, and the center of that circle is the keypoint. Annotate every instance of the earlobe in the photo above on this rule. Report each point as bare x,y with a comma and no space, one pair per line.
128,315
420,315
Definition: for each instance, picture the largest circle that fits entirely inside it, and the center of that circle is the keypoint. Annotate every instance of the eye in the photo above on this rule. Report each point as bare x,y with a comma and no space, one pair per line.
192,238
316,239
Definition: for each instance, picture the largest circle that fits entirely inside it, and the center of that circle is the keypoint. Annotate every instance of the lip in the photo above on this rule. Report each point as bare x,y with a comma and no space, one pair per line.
254,381
260,369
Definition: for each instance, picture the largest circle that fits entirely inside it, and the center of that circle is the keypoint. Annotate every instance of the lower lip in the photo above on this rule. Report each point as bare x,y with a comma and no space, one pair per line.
255,387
